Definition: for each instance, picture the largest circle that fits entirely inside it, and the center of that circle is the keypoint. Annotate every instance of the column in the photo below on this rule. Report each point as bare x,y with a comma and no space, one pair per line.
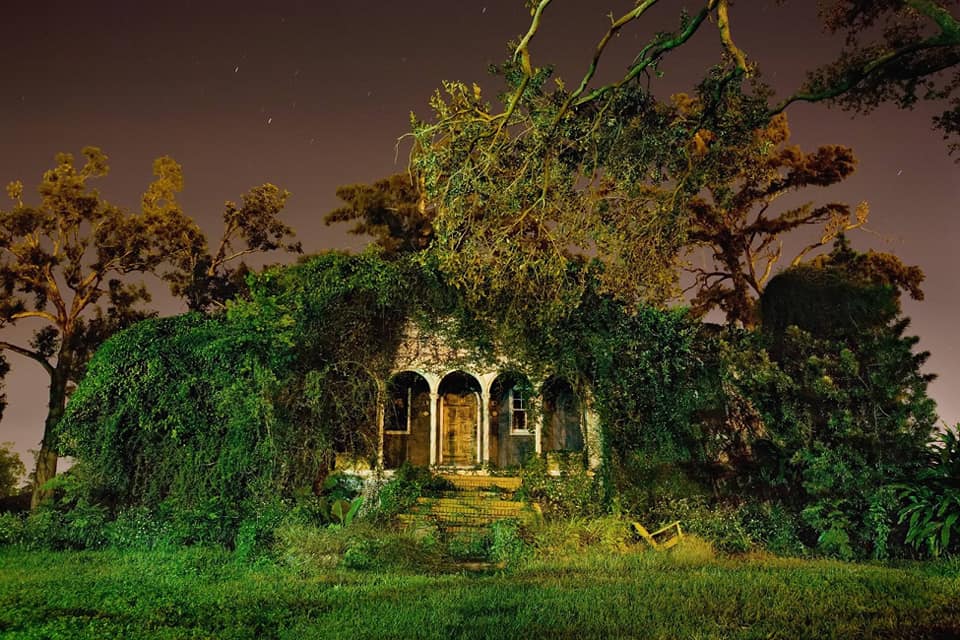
591,430
534,412
381,399
485,425
434,398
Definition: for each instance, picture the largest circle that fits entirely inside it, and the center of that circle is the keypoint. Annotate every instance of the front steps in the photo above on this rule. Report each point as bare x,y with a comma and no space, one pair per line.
475,503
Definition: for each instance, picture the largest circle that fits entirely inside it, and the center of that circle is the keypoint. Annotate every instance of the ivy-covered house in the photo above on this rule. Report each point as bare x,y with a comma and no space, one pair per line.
465,410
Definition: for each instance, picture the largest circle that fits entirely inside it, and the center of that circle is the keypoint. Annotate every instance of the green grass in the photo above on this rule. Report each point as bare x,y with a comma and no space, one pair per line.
203,593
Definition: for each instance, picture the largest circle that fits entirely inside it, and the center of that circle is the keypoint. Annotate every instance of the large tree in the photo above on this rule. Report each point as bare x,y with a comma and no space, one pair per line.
66,264
522,187
737,220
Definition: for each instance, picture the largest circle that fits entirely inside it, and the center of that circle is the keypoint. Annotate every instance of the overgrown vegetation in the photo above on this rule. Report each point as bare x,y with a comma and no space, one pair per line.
202,592
208,423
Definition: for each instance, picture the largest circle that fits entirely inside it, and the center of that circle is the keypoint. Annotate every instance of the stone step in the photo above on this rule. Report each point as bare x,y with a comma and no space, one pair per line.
475,517
481,482
462,521
476,502
497,496
471,502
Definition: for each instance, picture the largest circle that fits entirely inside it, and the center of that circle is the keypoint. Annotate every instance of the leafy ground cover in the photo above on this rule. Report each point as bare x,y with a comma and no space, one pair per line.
689,593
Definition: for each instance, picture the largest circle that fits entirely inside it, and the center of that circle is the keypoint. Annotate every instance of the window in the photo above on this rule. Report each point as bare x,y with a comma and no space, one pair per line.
518,413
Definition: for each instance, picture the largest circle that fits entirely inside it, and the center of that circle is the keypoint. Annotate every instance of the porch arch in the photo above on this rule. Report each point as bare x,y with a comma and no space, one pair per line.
460,418
562,416
407,420
512,406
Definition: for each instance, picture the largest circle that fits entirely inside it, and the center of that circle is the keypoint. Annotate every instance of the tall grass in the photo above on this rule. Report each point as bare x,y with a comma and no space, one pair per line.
686,593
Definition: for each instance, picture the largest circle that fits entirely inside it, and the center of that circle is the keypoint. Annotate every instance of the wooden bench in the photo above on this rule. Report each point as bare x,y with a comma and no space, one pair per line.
661,539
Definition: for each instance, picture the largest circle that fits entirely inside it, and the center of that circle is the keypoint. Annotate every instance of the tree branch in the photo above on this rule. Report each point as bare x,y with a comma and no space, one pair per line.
948,37
594,63
33,355
35,314
649,54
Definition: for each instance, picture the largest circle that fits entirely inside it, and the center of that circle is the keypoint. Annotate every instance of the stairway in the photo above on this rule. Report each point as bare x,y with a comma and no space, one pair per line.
474,503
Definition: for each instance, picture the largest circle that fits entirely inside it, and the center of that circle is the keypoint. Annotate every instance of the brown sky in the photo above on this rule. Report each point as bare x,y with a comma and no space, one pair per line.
313,94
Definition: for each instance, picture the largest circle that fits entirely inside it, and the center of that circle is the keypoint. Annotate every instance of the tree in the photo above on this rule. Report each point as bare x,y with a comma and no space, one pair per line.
392,210
607,171
841,395
67,263
735,221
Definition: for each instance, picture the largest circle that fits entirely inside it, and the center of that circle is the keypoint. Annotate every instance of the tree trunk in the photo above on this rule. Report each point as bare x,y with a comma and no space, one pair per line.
47,456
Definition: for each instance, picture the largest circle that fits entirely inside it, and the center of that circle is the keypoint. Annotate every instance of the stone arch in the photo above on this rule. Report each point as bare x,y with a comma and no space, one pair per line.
562,416
512,428
406,424
459,412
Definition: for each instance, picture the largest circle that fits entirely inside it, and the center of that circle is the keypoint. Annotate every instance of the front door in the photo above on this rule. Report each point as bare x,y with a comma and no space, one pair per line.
459,429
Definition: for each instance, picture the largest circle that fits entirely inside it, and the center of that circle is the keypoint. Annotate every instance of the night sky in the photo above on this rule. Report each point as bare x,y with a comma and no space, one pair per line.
314,94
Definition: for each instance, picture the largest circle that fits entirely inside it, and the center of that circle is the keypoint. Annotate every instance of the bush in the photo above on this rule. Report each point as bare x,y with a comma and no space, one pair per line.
11,528
398,494
138,529
360,547
507,542
931,504
774,527
720,524
574,535
574,494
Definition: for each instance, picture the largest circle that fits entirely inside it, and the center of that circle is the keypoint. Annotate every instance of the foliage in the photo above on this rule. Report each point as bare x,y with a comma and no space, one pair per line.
391,210
574,494
68,262
894,51
720,524
569,537
737,226
314,550
408,483
11,470
931,500
204,418
835,401
523,188
507,543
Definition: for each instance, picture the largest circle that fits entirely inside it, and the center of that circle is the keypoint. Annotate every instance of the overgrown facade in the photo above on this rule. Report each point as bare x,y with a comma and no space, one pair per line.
463,410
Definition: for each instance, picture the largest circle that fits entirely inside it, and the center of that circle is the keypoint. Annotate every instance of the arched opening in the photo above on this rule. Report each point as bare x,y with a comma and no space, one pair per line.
406,421
562,429
512,435
459,420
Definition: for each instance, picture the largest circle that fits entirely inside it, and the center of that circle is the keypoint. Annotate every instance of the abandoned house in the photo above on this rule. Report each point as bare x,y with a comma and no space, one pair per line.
450,408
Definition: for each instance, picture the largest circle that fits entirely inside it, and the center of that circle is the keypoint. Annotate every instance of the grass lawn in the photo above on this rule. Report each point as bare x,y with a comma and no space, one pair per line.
203,593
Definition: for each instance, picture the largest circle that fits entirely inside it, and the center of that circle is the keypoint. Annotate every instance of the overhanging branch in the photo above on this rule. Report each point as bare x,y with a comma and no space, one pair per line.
28,353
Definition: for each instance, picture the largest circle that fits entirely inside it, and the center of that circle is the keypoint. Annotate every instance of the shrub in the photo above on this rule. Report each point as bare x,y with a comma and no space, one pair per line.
398,494
720,524
575,493
507,542
137,528
931,504
11,528
360,547
772,526
571,536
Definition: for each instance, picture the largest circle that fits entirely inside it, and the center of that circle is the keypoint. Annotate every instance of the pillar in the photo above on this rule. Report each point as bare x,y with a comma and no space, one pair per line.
434,399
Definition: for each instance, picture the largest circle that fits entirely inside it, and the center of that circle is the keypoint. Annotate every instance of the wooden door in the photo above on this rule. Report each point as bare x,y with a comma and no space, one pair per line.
460,429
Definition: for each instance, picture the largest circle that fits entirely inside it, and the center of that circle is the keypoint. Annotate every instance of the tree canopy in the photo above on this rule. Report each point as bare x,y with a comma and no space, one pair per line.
67,263
550,175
